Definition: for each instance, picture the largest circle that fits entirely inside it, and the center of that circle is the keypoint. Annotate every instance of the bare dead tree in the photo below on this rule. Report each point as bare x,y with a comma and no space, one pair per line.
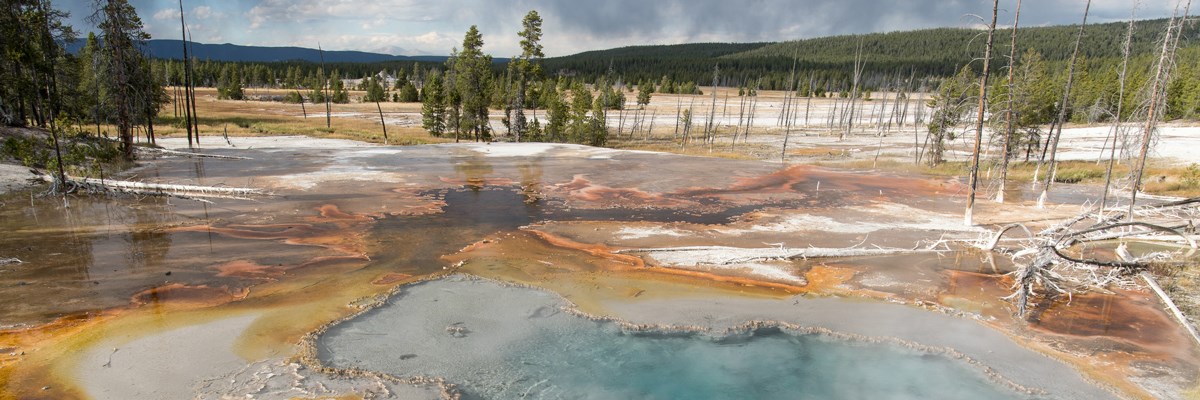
325,90
983,87
650,128
1116,127
187,76
678,110
382,122
1009,127
854,91
710,128
1062,111
1158,88
787,93
808,101
753,93
741,118
191,89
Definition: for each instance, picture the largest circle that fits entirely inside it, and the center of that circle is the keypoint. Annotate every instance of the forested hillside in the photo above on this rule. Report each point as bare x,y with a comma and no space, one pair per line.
924,53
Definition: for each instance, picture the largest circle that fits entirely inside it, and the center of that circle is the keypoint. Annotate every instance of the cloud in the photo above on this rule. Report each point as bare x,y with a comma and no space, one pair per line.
571,26
289,12
166,14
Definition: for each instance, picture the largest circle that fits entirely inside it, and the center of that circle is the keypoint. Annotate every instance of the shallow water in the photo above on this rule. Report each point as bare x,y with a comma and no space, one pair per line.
347,224
596,362
499,342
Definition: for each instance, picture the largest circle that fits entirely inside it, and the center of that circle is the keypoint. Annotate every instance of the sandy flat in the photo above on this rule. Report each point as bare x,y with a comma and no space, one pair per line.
166,365
13,177
198,362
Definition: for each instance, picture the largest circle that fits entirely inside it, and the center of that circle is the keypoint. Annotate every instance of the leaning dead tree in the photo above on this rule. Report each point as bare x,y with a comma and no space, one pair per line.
1158,88
1116,126
1059,261
1052,141
983,89
1009,128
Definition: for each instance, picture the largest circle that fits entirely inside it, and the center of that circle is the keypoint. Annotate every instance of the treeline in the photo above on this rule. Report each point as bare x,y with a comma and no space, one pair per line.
931,52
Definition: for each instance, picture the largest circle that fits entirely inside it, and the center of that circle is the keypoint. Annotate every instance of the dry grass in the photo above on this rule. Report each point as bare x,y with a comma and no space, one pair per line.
268,118
360,121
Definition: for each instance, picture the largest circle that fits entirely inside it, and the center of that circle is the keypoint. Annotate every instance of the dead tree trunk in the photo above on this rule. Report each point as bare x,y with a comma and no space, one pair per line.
382,122
710,129
808,101
1116,128
1009,128
1162,78
187,77
983,86
191,87
1062,111
854,90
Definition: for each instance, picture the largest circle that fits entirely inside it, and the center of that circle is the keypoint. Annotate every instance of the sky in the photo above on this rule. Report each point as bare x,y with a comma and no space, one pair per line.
433,27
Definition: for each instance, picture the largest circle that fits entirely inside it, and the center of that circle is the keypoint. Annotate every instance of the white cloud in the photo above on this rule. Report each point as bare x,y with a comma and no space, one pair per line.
571,26
166,14
203,12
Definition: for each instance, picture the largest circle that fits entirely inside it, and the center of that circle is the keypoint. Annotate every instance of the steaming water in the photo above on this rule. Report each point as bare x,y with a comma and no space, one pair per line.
499,342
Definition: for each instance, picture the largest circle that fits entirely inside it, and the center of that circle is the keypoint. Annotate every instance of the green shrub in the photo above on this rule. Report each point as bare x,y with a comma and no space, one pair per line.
1077,175
1191,177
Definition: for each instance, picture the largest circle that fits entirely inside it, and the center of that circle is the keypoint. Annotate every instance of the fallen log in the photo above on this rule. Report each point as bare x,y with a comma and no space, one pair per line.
189,154
188,192
1175,311
722,255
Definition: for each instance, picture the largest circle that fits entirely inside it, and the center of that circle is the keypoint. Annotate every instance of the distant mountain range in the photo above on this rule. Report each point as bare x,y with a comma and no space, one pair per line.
173,49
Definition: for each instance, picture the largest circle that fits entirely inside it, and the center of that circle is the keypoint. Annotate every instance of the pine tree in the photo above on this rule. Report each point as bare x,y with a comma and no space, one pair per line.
408,93
433,108
375,92
527,66
473,73
121,30
645,90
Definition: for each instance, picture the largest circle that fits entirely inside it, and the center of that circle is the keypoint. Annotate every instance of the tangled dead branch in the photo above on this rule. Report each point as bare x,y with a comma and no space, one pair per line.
1049,268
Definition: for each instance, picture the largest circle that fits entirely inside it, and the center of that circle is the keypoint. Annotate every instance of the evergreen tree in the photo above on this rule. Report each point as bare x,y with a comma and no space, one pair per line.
527,65
229,85
121,30
337,92
597,132
559,114
645,89
581,104
408,93
433,107
473,73
375,92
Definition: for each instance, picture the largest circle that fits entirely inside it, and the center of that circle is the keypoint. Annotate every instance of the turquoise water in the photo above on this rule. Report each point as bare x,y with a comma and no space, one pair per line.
501,342
598,363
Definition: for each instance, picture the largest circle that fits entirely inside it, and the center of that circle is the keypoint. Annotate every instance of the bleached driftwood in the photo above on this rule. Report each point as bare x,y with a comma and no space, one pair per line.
188,154
188,192
722,255
1178,314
